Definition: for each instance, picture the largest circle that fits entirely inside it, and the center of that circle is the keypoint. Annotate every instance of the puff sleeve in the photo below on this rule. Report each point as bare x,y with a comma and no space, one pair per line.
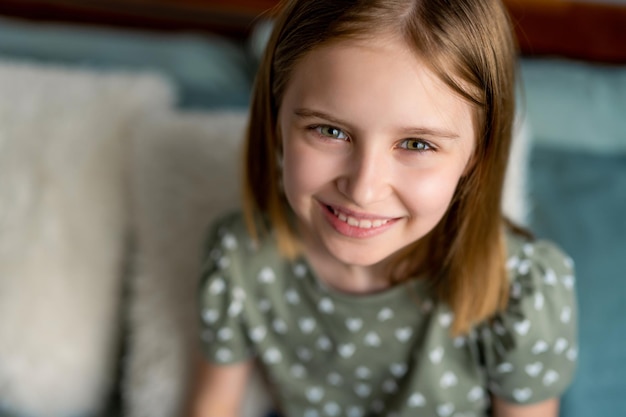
222,299
530,349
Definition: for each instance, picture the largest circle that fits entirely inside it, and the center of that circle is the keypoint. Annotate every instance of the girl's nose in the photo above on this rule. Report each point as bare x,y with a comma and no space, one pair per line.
366,179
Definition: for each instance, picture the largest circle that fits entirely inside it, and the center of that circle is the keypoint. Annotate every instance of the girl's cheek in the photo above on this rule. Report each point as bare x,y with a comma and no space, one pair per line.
431,191
300,168
300,155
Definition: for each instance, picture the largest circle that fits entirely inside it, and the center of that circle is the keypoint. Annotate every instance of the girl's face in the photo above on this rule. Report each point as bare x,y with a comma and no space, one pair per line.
374,145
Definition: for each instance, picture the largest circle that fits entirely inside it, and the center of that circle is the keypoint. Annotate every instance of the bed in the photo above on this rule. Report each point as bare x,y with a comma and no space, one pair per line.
573,92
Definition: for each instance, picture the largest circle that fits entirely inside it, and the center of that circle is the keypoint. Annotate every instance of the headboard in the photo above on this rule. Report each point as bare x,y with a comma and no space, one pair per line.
572,29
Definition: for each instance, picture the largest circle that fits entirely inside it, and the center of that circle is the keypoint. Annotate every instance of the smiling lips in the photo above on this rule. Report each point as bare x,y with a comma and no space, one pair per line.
356,225
363,223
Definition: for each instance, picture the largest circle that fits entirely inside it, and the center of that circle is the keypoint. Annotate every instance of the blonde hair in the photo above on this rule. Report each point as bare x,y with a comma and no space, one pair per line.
469,45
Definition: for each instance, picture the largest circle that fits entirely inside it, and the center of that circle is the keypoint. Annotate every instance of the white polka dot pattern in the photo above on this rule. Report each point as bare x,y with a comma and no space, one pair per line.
390,354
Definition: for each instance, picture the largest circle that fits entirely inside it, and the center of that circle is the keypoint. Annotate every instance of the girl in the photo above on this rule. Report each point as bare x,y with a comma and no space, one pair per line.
372,272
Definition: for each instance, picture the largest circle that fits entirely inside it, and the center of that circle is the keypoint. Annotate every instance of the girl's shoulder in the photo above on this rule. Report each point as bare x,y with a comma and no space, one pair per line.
233,268
229,222
524,252
530,347
230,249
229,232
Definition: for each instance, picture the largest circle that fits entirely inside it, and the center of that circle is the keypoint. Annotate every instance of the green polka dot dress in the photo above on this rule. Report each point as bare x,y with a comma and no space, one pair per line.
332,354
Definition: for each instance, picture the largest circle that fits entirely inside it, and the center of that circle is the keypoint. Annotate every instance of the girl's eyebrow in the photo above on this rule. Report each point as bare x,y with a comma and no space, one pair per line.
429,131
417,131
307,113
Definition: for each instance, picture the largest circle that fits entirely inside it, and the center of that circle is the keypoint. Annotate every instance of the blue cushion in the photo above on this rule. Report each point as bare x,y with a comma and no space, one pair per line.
209,71
579,201
576,105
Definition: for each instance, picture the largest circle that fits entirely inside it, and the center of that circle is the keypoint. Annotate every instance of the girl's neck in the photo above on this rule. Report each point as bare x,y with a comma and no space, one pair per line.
349,279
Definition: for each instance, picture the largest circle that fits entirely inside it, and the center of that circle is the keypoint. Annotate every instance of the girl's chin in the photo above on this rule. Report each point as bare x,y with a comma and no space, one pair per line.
348,255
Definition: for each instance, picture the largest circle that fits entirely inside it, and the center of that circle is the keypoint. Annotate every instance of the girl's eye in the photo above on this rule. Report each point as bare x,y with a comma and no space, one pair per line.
331,132
416,145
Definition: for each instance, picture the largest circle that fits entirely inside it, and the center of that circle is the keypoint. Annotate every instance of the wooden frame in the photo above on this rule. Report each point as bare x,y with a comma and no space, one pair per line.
234,18
586,31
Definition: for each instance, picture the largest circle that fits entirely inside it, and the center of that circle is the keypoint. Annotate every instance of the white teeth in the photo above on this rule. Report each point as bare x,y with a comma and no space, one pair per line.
353,222
363,224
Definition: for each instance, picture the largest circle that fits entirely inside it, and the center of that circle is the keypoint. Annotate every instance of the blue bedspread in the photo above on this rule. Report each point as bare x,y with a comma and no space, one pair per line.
579,200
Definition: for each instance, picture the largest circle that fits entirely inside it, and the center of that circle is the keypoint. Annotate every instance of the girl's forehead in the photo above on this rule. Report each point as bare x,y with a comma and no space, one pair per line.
378,47
375,40
373,75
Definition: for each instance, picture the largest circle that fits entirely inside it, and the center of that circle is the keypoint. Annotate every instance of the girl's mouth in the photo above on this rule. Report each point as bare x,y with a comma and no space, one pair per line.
355,222
357,225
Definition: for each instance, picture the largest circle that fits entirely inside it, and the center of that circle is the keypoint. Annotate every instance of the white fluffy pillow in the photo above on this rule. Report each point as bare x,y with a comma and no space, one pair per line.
185,171
63,219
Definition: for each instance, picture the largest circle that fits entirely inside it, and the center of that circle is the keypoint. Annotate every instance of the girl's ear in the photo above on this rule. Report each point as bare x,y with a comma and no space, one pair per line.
474,158
471,163
279,159
279,144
